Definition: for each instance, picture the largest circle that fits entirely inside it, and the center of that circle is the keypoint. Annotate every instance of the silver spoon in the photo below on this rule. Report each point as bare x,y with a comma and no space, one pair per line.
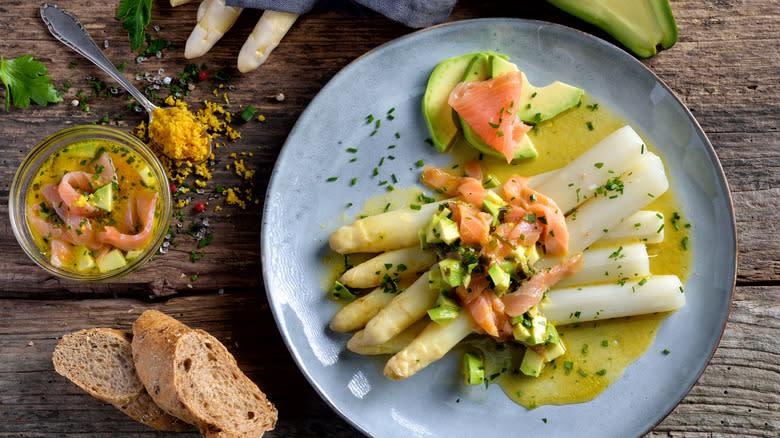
69,31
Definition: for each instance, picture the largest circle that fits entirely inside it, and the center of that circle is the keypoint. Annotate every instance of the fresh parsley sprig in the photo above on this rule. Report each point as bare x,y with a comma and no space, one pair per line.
26,79
135,16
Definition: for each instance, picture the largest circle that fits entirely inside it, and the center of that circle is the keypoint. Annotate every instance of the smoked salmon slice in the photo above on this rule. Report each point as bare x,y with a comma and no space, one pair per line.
530,293
541,210
489,108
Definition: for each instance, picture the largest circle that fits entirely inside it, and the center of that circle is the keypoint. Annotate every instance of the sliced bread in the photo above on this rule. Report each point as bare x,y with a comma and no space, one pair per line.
190,373
99,361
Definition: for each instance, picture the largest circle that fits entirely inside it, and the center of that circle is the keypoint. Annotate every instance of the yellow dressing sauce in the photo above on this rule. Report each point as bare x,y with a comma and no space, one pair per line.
597,352
132,175
587,367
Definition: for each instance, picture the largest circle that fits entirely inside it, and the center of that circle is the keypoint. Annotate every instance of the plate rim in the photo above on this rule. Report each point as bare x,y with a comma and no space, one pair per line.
709,148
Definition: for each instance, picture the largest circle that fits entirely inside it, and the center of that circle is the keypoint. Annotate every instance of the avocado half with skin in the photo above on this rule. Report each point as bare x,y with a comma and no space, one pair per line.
537,104
642,26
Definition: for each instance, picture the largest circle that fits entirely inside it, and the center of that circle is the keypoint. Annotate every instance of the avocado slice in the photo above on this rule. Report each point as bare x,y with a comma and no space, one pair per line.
436,110
538,104
479,70
641,26
103,197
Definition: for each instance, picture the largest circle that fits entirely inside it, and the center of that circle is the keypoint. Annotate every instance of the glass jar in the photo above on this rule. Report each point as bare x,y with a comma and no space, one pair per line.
23,182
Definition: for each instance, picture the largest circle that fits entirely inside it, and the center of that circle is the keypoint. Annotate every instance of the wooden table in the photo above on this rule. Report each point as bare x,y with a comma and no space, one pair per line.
725,67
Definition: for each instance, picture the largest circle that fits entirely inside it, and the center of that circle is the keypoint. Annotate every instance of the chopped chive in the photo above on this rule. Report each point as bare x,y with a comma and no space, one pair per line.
419,163
332,178
353,181
352,150
598,165
415,206
589,125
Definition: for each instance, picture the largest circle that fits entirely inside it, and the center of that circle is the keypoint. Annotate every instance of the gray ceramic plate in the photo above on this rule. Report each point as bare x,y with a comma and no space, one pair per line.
302,208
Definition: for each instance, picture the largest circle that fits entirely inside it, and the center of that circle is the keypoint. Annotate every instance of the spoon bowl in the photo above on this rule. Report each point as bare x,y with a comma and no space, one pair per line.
68,30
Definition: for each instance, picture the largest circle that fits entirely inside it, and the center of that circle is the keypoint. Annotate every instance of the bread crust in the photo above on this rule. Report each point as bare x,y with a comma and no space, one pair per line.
135,402
155,336
160,351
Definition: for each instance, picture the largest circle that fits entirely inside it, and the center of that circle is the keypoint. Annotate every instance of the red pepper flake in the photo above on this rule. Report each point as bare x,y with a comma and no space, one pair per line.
202,75
199,207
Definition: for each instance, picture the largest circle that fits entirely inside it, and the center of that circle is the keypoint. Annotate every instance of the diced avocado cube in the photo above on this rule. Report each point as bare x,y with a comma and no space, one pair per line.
444,310
133,254
473,369
521,333
111,260
491,182
553,351
532,364
552,334
500,278
83,150
538,330
432,230
423,236
531,255
84,262
451,272
493,204
147,177
341,292
436,281
495,198
447,230
103,197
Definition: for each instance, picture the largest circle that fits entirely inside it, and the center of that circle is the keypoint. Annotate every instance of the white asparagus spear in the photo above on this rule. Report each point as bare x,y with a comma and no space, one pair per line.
399,262
645,226
578,180
356,314
659,293
266,35
391,230
641,185
214,19
404,310
383,232
609,264
429,346
175,3
394,345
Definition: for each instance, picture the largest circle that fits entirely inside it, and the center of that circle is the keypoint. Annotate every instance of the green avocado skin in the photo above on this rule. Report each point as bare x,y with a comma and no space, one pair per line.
642,26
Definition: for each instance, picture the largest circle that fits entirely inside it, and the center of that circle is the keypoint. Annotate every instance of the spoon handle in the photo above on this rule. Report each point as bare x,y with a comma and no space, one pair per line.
68,30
